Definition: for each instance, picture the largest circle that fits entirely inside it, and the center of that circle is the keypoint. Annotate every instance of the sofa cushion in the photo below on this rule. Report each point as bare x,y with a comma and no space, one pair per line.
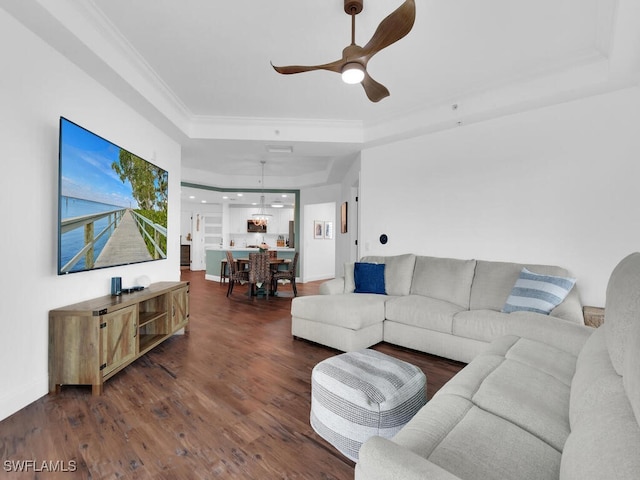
369,278
537,293
493,282
595,379
632,367
446,279
495,449
622,308
605,436
605,446
570,309
605,392
349,310
523,381
424,312
529,397
622,326
487,325
349,280
398,272
456,419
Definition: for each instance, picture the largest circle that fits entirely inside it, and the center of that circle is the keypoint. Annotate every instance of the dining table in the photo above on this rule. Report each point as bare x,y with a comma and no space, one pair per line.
243,262
274,263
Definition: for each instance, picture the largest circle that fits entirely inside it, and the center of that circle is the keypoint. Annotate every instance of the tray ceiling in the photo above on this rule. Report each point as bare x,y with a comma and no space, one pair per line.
201,71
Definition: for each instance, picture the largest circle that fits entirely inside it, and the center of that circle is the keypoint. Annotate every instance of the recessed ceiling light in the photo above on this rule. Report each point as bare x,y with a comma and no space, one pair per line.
239,194
192,197
225,198
279,149
277,205
203,201
284,195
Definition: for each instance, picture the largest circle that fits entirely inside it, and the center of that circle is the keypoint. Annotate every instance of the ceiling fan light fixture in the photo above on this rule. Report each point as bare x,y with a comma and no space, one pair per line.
352,73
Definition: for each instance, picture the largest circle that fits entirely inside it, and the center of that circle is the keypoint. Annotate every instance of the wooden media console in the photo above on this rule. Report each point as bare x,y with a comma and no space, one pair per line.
91,341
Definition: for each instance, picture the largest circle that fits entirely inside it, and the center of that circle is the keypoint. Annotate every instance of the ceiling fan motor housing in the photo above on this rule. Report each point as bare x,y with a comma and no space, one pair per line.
353,6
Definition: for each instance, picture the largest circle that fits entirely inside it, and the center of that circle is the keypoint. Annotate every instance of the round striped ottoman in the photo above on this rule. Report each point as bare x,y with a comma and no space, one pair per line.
357,395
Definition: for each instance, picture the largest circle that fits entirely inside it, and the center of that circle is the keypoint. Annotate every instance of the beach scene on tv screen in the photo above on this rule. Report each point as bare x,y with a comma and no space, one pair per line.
112,204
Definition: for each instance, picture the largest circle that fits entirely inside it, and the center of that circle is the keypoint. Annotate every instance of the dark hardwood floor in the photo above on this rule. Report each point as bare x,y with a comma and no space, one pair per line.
229,400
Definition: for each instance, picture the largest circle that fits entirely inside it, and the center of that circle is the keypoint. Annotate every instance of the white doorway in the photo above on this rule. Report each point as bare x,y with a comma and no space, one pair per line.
352,226
204,232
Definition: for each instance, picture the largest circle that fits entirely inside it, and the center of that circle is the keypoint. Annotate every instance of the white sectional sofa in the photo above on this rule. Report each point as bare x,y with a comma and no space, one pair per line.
555,400
443,306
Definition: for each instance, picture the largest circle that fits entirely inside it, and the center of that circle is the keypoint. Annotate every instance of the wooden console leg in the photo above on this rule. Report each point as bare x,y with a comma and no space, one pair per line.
96,389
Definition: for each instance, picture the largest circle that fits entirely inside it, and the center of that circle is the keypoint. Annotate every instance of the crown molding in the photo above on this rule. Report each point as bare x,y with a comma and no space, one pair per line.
86,22
613,63
276,129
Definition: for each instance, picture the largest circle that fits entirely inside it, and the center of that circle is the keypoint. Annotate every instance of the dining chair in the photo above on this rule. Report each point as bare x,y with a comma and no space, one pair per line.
259,272
288,274
235,275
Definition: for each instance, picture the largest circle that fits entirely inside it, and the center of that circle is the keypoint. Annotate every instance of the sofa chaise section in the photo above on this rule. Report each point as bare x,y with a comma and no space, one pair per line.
347,323
443,306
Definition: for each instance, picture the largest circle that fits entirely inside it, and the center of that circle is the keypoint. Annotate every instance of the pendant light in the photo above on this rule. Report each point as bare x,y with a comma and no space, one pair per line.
261,218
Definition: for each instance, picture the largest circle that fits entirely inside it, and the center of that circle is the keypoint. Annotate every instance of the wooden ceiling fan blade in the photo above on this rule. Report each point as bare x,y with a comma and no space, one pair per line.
290,69
375,91
394,27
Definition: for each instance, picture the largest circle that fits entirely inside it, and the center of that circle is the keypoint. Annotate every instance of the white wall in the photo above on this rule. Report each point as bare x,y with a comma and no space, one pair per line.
319,255
557,185
314,196
37,86
346,251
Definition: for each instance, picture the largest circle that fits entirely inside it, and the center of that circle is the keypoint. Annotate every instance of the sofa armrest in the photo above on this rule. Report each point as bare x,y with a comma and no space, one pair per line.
570,309
382,459
332,287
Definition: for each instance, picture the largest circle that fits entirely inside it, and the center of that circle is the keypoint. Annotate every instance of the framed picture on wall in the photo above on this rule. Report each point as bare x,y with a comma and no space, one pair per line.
343,218
328,230
318,229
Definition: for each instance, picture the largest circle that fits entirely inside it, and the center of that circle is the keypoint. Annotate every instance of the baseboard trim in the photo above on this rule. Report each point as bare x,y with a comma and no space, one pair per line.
315,278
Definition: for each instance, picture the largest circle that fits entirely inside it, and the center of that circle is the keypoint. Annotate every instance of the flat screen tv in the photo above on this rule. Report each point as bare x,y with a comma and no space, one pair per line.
112,205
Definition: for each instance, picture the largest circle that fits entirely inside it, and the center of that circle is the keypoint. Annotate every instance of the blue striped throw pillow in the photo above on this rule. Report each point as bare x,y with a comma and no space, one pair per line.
533,292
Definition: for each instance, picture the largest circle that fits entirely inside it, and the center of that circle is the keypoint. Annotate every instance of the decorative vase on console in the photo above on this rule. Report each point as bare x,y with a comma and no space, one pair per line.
263,247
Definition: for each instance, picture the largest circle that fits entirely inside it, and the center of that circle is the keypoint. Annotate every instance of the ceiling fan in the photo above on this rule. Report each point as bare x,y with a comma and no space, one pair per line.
353,64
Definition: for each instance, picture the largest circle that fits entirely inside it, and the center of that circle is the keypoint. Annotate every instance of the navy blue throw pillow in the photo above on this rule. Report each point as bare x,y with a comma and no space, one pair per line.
369,277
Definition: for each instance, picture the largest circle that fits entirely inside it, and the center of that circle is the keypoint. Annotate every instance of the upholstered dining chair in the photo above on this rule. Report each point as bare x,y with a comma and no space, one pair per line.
235,275
259,272
288,274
